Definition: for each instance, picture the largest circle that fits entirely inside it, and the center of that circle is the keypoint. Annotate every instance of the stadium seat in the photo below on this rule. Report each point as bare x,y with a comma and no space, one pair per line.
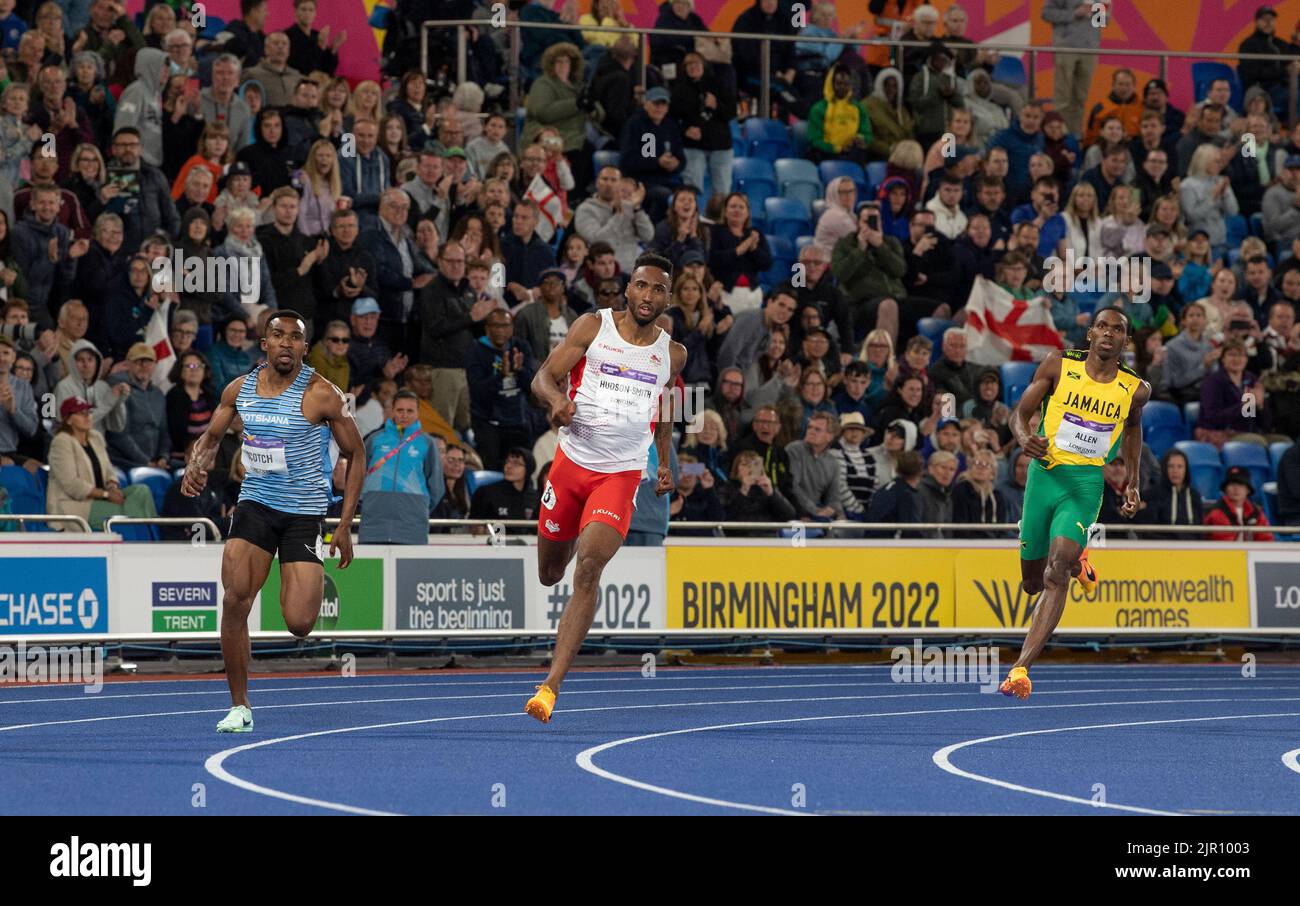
786,217
1275,453
215,26
1251,457
783,258
767,139
26,495
834,169
158,481
481,478
799,137
1205,465
1162,426
1191,415
801,241
1257,225
756,179
1238,230
1206,72
738,140
602,159
122,478
1016,376
932,329
818,208
876,171
797,179
1269,493
1010,70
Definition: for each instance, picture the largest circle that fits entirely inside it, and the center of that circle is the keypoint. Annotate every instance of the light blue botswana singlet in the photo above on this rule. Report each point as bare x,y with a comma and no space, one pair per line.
285,456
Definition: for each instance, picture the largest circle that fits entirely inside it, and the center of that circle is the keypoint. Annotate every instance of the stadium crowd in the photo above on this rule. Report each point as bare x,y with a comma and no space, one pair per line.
439,248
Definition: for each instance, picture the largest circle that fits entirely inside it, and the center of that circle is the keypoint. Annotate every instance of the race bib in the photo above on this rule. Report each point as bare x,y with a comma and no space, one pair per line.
264,455
1081,437
548,497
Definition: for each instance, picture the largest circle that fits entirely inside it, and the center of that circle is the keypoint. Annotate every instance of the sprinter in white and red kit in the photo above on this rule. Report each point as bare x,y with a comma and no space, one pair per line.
603,387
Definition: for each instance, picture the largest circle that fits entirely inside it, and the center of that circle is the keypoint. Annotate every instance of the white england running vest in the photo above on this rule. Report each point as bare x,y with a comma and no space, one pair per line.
616,387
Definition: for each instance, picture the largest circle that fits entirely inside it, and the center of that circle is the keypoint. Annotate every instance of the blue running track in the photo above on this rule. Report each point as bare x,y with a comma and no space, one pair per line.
1097,739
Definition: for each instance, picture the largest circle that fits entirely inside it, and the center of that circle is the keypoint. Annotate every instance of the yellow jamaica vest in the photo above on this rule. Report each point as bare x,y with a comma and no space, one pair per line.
1083,419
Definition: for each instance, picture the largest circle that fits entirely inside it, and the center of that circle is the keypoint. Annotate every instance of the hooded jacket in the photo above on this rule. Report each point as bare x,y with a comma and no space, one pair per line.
141,104
884,459
270,167
836,221
889,125
688,107
109,413
552,102
832,122
235,116
892,224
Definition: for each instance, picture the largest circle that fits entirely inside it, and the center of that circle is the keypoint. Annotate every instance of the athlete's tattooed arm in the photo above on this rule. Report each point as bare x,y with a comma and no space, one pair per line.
205,448
1044,382
551,384
1131,446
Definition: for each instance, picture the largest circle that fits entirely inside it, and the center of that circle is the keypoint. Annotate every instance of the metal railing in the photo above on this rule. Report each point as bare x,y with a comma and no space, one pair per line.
23,518
214,533
849,526
765,93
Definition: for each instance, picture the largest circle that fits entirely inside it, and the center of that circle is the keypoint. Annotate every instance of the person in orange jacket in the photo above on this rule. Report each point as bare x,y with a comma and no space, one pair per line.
1122,102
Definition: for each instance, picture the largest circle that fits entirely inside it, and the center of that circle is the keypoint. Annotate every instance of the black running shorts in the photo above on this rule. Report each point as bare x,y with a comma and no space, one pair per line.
295,537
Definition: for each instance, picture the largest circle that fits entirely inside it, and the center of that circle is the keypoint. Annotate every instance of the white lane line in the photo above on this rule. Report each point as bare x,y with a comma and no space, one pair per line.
215,764
942,757
529,682
440,698
585,758
1292,760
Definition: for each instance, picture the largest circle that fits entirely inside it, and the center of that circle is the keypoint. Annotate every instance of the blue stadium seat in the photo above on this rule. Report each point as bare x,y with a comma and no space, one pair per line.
1016,376
797,179
1257,225
1010,70
1238,230
818,208
1269,493
786,217
1162,426
738,146
799,137
783,258
876,174
756,178
122,478
215,26
1205,465
1205,73
932,329
801,241
1251,457
1275,453
768,139
1191,414
481,478
26,496
602,159
158,481
834,169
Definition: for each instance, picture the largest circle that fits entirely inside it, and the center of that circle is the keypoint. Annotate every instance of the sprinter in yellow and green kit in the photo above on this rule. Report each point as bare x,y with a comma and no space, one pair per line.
1089,405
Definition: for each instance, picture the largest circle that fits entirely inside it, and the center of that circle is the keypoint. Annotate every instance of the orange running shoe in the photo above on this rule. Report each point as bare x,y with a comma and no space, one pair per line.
1087,575
542,704
1017,683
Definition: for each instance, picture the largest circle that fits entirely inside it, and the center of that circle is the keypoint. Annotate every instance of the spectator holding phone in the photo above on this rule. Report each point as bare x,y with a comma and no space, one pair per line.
750,496
695,500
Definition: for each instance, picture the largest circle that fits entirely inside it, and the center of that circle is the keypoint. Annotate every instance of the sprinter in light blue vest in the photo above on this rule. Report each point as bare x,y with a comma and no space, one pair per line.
283,405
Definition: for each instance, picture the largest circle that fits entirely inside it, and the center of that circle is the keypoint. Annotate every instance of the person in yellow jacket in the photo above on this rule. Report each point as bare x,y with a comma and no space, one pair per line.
838,125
